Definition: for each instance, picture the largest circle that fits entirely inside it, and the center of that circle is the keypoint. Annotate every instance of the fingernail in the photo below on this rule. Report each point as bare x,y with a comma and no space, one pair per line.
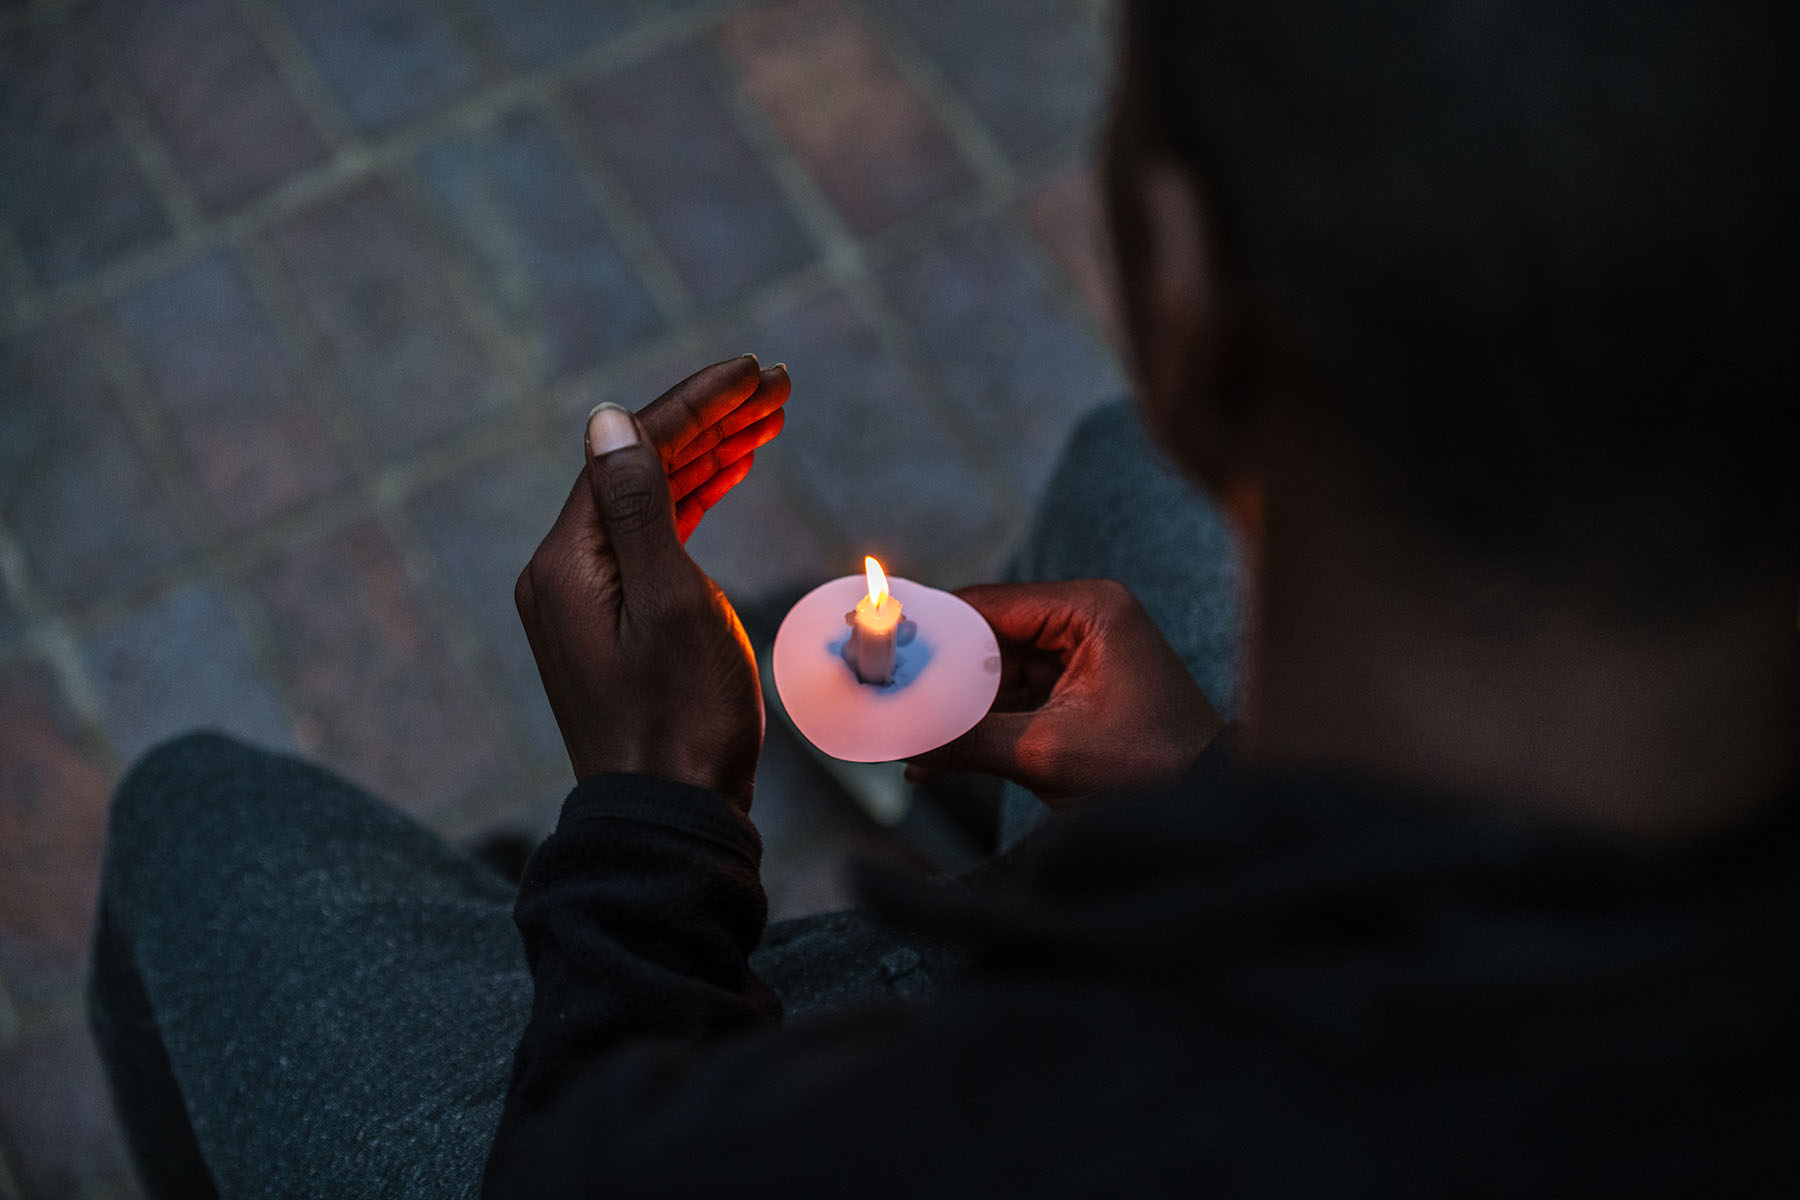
610,428
751,357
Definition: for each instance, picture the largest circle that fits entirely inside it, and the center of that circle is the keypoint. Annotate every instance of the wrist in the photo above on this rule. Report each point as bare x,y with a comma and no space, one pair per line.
730,777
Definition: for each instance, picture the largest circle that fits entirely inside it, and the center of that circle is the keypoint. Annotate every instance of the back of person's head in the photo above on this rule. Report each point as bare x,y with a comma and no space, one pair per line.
1529,264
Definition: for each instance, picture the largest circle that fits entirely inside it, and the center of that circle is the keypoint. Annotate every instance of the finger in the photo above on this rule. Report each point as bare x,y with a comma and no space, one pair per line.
674,419
1028,676
631,500
992,747
695,504
685,479
771,393
1052,616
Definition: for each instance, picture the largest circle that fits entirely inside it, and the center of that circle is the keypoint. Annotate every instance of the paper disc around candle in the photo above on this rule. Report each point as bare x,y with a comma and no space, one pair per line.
945,678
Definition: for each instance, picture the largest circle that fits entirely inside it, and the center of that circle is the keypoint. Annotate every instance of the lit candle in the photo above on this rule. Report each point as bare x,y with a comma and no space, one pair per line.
875,628
926,685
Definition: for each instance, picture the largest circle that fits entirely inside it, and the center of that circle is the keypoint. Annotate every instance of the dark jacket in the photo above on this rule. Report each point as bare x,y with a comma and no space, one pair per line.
1238,984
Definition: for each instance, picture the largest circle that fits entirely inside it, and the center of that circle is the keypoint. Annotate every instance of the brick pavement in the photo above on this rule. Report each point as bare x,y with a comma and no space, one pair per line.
301,304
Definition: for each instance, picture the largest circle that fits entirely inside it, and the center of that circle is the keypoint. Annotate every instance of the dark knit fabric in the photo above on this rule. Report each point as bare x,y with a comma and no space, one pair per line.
299,992
333,991
1256,985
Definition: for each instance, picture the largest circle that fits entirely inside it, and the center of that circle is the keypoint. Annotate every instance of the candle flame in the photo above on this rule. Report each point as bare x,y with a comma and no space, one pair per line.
878,589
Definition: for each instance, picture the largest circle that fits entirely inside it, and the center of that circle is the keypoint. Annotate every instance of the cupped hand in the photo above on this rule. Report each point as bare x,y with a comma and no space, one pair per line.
1092,696
645,663
707,428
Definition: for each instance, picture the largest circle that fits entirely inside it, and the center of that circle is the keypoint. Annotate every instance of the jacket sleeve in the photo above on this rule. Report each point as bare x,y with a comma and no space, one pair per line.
639,914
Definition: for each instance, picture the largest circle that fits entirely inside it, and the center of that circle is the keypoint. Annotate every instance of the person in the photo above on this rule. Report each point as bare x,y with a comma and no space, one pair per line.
1475,321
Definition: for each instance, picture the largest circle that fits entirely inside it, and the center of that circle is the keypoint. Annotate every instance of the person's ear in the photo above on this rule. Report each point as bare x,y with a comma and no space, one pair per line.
1176,302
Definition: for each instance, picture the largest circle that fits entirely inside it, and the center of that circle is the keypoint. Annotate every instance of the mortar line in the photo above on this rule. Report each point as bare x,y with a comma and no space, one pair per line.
380,489
971,135
247,552
1064,293
329,118
46,641
378,500
851,268
234,565
465,23
149,429
839,253
503,345
242,558
848,262
143,139
304,349
886,248
53,643
466,650
15,573
352,164
389,501
871,300
619,208
149,425
512,356
395,481
804,197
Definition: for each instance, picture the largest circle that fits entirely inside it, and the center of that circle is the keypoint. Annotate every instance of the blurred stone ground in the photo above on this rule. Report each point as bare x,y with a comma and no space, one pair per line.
302,303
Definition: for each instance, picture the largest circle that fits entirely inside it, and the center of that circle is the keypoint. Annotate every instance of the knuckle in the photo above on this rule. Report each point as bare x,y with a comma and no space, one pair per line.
525,593
551,572
1112,591
633,502
687,602
537,578
673,603
1114,597
680,612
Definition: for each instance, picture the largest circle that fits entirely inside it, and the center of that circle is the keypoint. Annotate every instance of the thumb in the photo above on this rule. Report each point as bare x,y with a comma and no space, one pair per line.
991,747
631,497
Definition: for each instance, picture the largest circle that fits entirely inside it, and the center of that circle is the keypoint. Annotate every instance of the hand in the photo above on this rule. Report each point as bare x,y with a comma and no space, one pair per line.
1091,694
646,666
707,428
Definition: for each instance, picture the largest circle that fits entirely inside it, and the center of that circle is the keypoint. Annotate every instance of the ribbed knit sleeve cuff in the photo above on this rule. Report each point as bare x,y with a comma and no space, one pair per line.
651,800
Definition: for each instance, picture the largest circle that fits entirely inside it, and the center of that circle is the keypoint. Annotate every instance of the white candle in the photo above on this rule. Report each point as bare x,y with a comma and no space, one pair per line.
875,626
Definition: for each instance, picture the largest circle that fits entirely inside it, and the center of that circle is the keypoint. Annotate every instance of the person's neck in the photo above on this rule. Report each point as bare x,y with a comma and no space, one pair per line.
1471,685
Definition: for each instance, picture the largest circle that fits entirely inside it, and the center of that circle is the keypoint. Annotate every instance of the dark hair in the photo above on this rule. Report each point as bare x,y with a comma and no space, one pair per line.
1531,263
